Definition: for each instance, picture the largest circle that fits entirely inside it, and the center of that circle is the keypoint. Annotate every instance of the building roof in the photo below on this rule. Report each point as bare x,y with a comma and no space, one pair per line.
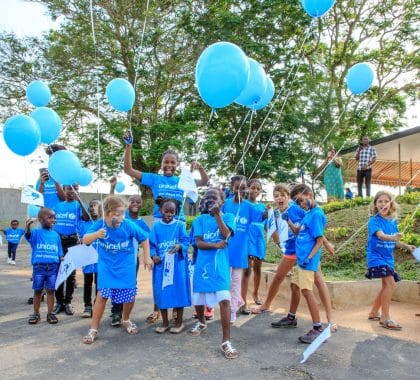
397,162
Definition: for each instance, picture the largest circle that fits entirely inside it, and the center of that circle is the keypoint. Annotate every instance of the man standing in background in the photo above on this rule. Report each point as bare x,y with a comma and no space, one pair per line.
366,155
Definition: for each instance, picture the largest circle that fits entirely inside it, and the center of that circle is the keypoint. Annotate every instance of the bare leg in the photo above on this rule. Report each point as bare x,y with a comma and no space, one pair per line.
179,315
324,294
295,299
225,319
127,308
313,307
165,320
257,278
200,313
37,300
283,268
245,281
376,304
98,311
50,300
388,286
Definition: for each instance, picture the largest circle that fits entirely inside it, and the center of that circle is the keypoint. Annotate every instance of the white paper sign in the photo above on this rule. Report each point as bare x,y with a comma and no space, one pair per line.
316,343
168,270
30,196
187,183
416,254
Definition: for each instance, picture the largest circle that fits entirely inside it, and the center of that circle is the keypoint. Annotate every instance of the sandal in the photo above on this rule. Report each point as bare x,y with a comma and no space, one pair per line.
244,310
34,319
228,350
177,330
258,302
260,311
130,327
153,317
52,319
390,325
375,318
333,327
198,328
90,337
161,329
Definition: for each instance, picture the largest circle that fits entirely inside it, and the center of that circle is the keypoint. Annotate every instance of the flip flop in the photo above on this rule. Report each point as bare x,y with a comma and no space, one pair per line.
260,311
375,318
390,325
258,302
244,311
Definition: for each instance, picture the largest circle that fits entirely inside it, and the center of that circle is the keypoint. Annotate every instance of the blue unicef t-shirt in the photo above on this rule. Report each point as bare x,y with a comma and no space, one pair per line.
257,242
245,213
296,214
211,271
51,198
67,217
166,187
46,246
312,227
164,236
380,252
116,258
13,235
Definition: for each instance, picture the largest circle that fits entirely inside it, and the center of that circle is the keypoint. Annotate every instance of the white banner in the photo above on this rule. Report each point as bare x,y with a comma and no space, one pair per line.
31,196
187,183
416,254
316,343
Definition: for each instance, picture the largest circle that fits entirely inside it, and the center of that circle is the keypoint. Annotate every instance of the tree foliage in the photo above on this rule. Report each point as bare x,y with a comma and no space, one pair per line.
307,60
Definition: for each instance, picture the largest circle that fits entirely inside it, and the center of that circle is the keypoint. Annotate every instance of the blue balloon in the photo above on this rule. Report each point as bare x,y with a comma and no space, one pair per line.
21,134
33,211
38,93
359,78
64,166
120,94
221,73
266,98
119,187
255,87
85,177
49,123
317,8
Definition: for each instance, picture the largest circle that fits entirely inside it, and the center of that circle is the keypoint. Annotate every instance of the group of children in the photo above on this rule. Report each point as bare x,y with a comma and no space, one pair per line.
228,238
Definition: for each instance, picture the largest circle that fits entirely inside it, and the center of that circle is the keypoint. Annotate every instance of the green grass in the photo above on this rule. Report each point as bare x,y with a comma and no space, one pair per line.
347,230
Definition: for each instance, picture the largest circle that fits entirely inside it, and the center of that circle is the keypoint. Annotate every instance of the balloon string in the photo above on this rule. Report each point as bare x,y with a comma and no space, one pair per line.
138,57
245,145
213,113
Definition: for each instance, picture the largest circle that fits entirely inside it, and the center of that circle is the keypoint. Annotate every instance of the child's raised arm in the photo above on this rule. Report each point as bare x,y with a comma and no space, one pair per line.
128,166
203,181
28,225
386,237
90,238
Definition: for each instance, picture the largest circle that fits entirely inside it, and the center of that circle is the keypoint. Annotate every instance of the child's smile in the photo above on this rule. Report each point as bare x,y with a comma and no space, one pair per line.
169,165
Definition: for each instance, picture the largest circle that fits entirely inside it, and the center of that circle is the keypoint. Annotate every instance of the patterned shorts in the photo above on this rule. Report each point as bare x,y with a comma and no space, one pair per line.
382,271
119,295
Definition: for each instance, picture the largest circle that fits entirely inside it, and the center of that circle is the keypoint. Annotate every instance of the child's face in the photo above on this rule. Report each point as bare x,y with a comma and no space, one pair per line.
305,201
169,164
168,211
240,189
254,190
134,204
115,217
47,219
94,208
281,200
211,198
69,192
14,225
383,204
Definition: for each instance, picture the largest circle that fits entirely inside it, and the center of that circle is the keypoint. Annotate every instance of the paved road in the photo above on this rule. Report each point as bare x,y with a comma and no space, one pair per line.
56,350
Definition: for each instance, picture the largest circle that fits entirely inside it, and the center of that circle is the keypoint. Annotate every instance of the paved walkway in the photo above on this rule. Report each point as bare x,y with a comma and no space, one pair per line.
265,353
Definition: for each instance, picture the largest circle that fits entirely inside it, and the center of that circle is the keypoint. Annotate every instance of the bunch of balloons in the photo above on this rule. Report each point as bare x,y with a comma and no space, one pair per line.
224,74
22,133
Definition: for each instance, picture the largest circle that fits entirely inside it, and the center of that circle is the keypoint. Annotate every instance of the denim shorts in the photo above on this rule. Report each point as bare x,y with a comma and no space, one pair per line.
44,276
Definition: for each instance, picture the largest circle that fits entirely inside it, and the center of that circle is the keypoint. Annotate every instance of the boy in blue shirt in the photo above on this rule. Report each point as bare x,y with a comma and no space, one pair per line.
46,255
13,237
69,215
308,254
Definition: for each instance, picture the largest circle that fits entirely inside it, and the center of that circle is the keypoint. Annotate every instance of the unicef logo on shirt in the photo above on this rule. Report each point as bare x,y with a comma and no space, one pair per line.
243,220
72,216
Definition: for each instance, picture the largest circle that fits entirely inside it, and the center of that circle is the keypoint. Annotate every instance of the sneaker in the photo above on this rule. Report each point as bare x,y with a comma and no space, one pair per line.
285,322
198,328
30,300
58,308
68,308
9,260
310,336
116,320
209,313
13,262
87,313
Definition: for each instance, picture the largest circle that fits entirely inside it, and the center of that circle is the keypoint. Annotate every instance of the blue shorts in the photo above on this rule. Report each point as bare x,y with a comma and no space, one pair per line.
44,276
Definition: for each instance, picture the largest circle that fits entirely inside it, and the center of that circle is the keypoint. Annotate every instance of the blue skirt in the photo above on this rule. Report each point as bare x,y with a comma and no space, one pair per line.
119,295
382,271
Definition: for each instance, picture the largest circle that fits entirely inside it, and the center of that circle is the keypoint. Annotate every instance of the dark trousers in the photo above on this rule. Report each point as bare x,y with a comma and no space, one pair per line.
11,250
64,293
367,175
90,279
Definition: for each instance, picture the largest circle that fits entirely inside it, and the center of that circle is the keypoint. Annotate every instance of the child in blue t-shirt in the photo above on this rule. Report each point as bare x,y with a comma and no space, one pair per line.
13,236
211,280
116,263
169,243
308,254
256,248
166,185
69,215
383,237
46,255
245,213
90,272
